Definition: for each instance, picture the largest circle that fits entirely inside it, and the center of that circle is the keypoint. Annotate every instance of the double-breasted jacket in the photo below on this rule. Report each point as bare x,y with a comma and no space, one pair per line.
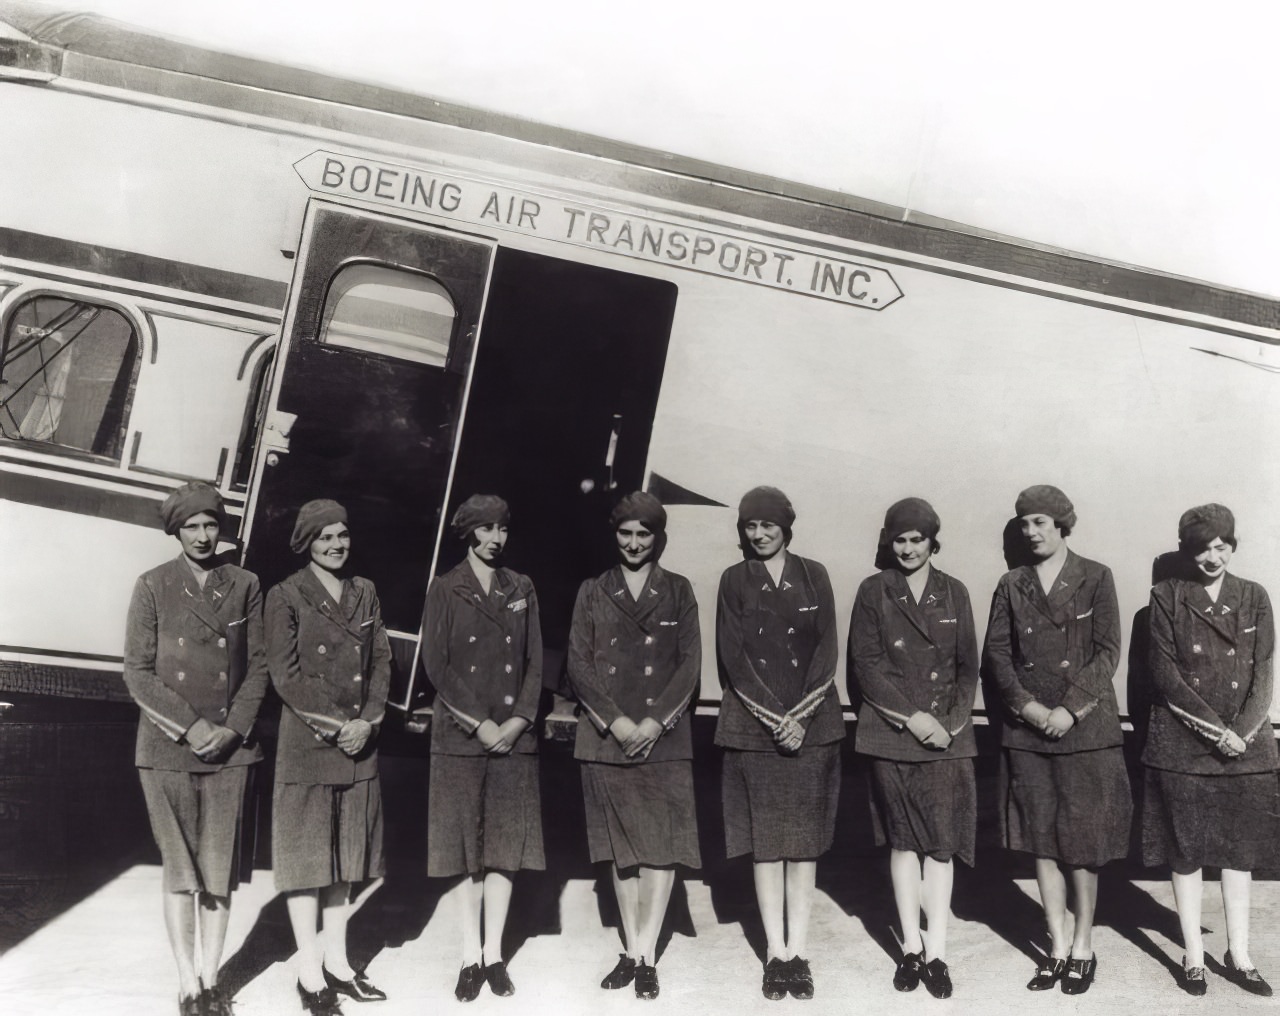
193,653
639,658
483,655
1059,649
1211,664
778,650
909,657
330,663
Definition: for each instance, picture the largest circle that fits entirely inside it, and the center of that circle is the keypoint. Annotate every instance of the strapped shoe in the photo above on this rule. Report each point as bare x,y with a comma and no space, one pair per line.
217,1002
1246,977
1079,975
470,980
1192,980
1048,974
800,983
646,980
320,1003
622,974
498,978
907,976
776,976
191,1005
937,979
359,987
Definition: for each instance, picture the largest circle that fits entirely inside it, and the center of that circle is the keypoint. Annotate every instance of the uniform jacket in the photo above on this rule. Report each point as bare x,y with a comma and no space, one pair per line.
635,658
193,653
1060,650
778,650
907,658
1211,667
483,655
330,663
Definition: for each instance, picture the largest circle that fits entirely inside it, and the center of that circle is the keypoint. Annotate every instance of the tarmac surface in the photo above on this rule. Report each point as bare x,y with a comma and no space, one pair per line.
102,951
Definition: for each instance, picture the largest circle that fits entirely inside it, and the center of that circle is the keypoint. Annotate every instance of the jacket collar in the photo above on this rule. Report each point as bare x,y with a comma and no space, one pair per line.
934,593
1220,616
492,605
205,603
314,592
1064,587
657,589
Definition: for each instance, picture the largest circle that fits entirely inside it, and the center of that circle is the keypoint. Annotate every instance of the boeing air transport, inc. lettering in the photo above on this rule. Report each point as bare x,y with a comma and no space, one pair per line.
669,242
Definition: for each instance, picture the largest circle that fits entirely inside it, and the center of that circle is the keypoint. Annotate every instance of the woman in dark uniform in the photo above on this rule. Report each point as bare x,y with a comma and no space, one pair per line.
195,662
780,725
483,654
331,665
635,659
914,653
1053,642
1211,793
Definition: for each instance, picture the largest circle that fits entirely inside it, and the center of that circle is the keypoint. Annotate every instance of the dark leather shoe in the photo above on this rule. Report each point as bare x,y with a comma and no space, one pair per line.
191,1005
646,980
470,980
776,976
1192,980
498,978
907,976
1247,978
1079,975
1048,974
320,1003
359,987
937,979
622,974
217,1002
800,983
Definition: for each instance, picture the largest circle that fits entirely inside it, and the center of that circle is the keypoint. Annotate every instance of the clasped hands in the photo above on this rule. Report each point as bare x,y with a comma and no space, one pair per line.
211,743
636,739
929,731
500,738
1231,744
1053,723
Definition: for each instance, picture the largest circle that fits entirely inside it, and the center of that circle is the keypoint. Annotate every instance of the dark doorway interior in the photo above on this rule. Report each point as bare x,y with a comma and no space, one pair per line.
564,349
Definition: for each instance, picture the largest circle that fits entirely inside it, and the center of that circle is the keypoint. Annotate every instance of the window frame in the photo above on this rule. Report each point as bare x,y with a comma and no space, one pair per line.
356,262
12,302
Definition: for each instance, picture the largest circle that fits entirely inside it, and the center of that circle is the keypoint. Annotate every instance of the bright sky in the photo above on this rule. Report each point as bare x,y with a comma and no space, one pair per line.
1141,132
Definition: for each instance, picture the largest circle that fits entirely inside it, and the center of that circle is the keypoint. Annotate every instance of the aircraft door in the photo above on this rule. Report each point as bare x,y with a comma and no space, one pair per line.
367,397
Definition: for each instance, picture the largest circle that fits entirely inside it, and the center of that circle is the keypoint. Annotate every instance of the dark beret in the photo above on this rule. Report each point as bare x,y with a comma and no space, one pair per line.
188,500
1201,525
908,514
312,518
768,504
640,507
479,510
1044,499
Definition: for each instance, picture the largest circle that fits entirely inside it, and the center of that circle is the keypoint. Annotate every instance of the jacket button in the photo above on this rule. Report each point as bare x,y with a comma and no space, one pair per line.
473,668
507,700
648,640
321,650
1195,680
319,738
221,676
507,668
181,676
1065,664
648,672
357,678
795,663
613,641
1235,684
791,631
1028,631
222,643
471,638
612,669
1231,652
648,701
181,641
761,631
222,712
933,675
508,640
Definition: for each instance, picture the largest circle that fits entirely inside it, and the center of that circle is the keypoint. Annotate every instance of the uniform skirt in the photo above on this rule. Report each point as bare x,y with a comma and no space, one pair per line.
1074,808
322,835
196,819
641,814
928,808
1229,821
485,814
780,807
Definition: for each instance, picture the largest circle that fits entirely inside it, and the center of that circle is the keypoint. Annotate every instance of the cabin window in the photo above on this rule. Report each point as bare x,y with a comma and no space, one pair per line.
69,369
391,311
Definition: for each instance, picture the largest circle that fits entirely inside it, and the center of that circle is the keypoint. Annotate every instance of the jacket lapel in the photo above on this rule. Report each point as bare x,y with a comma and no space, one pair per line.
202,602
339,613
1220,616
492,606
905,603
1064,588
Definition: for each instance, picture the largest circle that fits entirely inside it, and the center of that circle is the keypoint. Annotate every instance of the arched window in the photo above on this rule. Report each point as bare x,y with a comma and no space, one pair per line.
389,311
68,373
